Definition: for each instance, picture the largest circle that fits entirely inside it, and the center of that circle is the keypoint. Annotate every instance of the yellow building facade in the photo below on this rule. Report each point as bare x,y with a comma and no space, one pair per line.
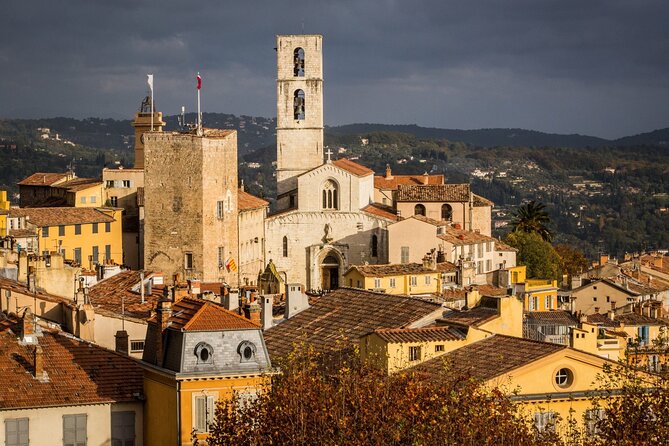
408,279
538,294
84,235
4,208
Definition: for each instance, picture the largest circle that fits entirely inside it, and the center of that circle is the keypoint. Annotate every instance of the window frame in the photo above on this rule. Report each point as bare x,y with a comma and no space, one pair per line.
17,431
414,353
76,429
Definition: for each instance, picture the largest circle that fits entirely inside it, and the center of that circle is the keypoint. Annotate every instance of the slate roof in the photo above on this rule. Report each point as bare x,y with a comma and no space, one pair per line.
42,179
353,167
78,372
381,211
459,237
246,201
62,216
435,192
427,334
489,358
382,182
400,269
192,314
340,318
555,317
109,295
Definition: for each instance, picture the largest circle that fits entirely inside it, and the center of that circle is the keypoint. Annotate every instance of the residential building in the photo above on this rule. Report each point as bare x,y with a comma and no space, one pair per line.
553,326
385,185
60,189
424,279
409,239
198,353
86,236
538,294
190,202
4,208
466,246
63,390
601,295
252,213
493,314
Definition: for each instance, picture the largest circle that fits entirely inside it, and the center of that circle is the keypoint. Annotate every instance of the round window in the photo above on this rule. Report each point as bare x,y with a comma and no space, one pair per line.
564,377
248,353
204,352
204,355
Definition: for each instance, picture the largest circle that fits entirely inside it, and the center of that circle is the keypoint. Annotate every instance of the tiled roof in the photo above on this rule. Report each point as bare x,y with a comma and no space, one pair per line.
381,211
501,246
216,133
78,184
459,237
601,319
479,201
353,167
489,358
427,334
401,269
42,179
340,318
555,317
473,317
109,295
191,314
246,201
62,216
490,290
431,221
13,285
382,182
78,373
639,319
435,192
19,233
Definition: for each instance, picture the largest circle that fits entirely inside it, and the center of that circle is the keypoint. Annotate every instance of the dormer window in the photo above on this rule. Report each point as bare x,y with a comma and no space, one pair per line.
204,353
246,351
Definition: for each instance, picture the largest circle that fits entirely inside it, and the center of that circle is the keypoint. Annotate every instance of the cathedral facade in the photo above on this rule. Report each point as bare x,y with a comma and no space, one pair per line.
326,219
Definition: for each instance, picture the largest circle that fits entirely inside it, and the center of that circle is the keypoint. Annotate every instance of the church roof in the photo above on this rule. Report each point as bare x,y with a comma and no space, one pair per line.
392,182
353,167
381,211
247,202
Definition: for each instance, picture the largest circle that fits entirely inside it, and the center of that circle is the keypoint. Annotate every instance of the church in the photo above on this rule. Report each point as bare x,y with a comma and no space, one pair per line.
326,218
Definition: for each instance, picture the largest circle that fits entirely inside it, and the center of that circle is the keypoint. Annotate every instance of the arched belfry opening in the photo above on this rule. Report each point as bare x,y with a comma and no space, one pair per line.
330,268
298,62
298,105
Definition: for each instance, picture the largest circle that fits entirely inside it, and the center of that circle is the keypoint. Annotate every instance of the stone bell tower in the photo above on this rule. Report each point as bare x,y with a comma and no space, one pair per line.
299,128
142,124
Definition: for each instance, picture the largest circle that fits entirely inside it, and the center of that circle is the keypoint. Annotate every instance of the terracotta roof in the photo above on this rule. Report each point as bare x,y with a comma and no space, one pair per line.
20,233
489,358
555,317
78,184
431,221
382,182
459,237
601,319
639,319
109,295
400,269
246,201
490,290
42,179
436,192
339,319
62,216
353,167
428,334
474,317
381,211
191,314
501,246
479,201
78,373
13,285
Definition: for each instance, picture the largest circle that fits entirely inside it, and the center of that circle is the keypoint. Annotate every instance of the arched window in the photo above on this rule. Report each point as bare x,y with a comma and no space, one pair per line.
419,210
375,246
298,60
285,246
298,105
330,196
446,212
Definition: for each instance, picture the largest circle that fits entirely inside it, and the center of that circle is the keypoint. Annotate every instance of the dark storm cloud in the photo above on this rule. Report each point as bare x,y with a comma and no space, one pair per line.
593,67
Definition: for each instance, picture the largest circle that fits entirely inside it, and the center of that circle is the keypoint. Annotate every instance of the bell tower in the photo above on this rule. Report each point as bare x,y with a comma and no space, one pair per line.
142,124
299,112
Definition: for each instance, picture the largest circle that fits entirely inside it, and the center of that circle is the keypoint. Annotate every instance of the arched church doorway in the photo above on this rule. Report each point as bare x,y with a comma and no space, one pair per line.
330,272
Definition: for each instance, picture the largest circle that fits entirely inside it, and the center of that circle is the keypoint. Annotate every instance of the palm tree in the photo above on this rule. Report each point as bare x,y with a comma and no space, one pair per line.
532,217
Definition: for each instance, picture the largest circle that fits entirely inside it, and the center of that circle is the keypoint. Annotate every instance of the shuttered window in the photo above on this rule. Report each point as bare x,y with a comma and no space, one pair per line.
74,430
204,413
123,428
16,432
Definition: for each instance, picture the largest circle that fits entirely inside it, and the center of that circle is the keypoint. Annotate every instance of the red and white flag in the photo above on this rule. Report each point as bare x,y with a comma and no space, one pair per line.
199,81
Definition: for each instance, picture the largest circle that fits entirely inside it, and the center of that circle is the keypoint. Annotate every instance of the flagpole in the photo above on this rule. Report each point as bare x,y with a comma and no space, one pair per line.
199,114
152,103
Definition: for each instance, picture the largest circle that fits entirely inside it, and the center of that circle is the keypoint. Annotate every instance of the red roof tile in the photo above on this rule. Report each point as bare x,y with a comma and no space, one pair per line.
382,182
61,216
42,179
401,269
353,167
246,201
428,334
381,211
436,193
459,237
191,314
78,184
13,285
122,290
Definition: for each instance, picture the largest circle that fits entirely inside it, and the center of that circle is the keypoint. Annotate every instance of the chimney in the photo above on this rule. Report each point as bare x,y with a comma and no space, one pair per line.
252,311
194,286
612,315
141,285
389,174
457,226
163,312
296,300
230,299
461,236
38,363
28,327
266,304
603,259
426,179
121,342
441,257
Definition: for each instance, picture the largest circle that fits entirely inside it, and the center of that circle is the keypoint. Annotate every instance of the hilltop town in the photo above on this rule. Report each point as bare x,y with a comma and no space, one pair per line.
136,300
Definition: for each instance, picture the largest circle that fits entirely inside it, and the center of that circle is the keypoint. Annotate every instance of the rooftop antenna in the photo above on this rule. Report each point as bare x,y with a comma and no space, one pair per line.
182,118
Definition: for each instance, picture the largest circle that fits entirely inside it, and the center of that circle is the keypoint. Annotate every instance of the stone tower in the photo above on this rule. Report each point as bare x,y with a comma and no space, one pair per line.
299,128
142,124
190,211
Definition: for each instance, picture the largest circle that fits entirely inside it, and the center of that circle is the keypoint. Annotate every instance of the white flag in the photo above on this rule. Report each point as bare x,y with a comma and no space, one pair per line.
149,80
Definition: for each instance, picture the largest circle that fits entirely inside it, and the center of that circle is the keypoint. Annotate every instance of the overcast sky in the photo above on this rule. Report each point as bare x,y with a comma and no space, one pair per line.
597,67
